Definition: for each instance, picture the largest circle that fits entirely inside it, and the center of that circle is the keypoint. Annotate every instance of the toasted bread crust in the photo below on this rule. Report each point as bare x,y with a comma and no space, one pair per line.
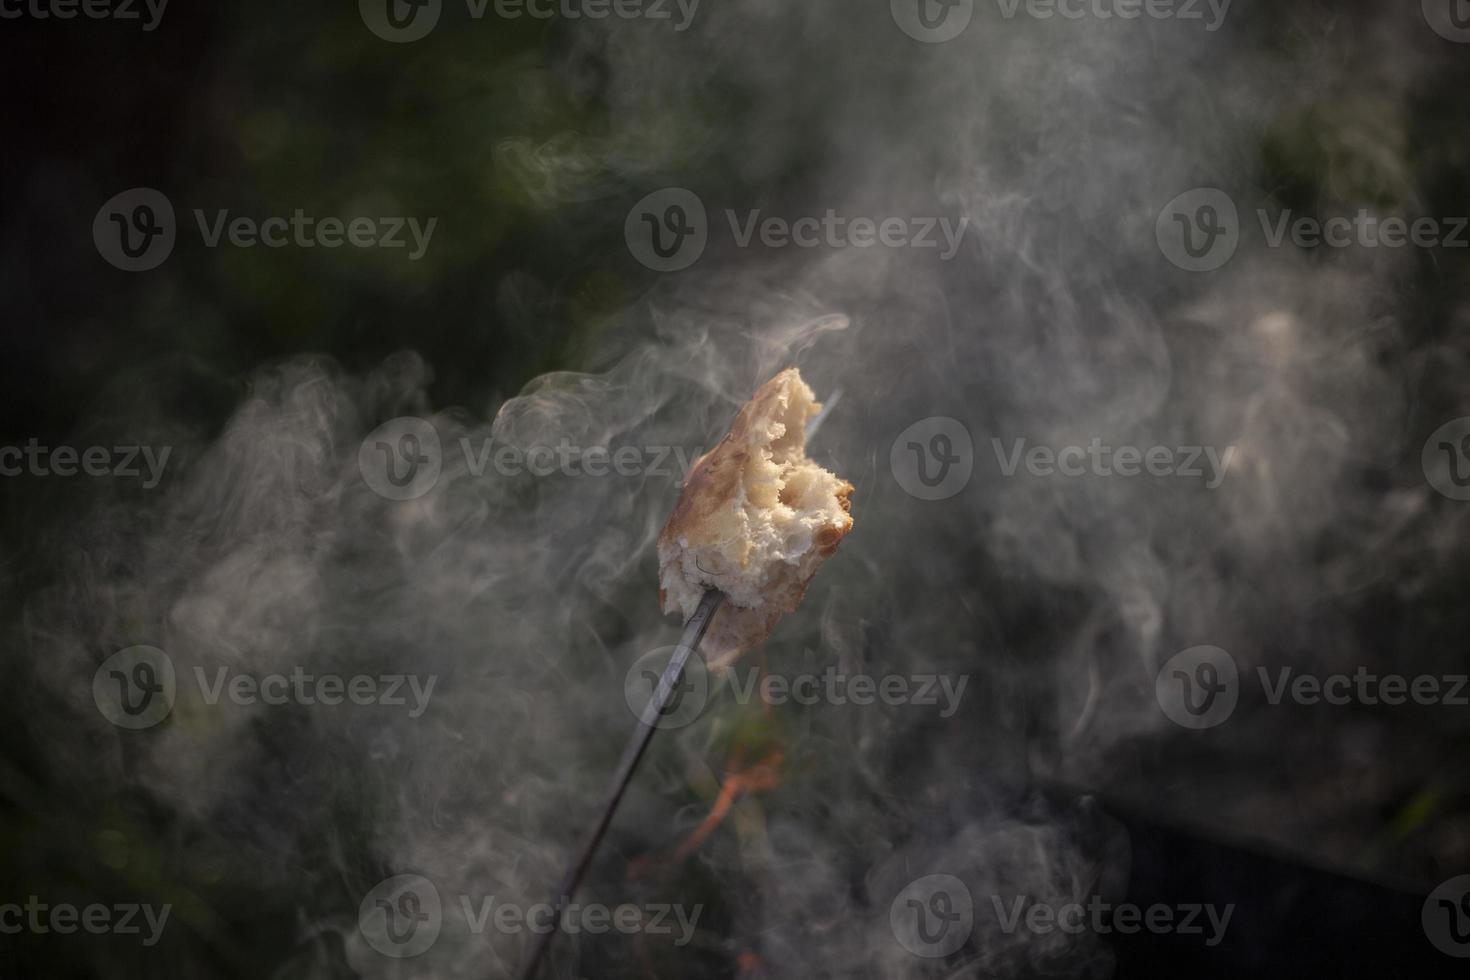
735,529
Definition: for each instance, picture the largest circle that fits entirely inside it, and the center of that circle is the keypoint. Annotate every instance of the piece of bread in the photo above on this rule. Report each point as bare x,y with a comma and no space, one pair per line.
754,520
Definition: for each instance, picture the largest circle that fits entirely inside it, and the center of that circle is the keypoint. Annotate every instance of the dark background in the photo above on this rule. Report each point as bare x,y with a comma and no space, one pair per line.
521,137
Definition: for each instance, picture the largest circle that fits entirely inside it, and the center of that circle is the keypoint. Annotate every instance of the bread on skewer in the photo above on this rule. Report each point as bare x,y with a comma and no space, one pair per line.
754,520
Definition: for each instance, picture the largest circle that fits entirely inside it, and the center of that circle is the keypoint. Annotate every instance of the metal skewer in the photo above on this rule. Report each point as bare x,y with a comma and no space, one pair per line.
642,735
689,641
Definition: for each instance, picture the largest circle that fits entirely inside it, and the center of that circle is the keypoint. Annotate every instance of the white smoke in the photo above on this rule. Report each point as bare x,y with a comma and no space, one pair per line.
529,597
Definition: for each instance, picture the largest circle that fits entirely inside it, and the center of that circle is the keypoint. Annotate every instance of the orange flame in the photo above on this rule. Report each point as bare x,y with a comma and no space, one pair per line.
763,775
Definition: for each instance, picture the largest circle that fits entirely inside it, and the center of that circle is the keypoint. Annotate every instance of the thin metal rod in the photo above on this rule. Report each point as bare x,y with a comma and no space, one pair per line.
694,631
642,735
820,417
